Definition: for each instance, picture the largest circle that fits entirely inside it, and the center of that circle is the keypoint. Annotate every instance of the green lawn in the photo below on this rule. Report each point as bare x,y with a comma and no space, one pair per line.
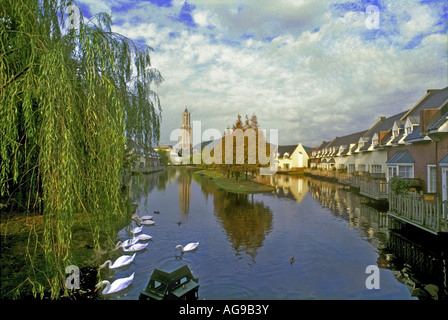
232,185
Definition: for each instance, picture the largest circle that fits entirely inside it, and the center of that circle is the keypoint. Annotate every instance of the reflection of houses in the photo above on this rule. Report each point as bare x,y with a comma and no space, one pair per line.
412,145
426,265
296,186
293,157
423,255
143,158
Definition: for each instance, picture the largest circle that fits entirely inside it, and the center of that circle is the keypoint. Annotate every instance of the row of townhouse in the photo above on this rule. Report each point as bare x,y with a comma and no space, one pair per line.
143,159
412,144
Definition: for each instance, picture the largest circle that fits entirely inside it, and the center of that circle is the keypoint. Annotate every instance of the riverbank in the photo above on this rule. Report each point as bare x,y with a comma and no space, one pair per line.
21,234
235,186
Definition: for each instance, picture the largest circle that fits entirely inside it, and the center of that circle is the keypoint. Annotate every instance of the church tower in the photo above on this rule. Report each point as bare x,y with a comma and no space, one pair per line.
185,131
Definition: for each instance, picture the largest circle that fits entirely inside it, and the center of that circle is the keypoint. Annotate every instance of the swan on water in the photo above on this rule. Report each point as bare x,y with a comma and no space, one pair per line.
136,217
131,248
135,247
143,222
134,240
189,247
137,230
143,237
117,285
128,242
120,262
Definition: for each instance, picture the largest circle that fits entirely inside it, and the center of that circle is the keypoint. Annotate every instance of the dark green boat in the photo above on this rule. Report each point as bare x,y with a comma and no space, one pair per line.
171,282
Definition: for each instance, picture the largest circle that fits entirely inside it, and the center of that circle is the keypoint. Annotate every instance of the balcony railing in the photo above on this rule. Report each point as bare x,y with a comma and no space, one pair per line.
376,189
412,208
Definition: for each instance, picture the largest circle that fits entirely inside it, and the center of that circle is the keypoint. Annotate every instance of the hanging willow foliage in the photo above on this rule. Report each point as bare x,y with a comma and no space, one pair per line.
69,98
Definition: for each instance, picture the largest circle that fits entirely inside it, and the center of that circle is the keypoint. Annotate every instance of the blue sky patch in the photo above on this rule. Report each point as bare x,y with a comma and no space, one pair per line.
162,3
185,16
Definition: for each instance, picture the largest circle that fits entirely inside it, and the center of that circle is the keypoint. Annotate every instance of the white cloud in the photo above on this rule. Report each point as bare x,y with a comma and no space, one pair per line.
304,69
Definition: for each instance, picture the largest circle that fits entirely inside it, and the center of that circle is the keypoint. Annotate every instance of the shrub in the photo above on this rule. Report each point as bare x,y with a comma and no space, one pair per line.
399,186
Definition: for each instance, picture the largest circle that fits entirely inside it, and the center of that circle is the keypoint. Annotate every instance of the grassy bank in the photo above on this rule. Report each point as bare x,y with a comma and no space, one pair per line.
18,235
232,185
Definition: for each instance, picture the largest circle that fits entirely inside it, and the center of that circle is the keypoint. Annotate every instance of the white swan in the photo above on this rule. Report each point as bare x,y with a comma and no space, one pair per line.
136,217
120,262
143,222
135,247
128,242
142,237
117,285
189,247
137,230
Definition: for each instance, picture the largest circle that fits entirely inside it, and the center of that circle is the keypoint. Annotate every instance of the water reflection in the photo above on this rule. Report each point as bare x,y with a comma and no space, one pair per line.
246,241
246,221
286,185
422,266
184,181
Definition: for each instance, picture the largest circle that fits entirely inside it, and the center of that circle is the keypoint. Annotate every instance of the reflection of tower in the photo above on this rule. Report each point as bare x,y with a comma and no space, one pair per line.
185,131
184,192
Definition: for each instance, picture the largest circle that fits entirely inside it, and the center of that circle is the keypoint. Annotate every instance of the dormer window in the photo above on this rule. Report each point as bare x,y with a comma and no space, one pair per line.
375,140
395,133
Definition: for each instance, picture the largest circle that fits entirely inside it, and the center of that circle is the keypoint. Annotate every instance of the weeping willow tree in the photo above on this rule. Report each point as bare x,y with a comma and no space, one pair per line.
70,97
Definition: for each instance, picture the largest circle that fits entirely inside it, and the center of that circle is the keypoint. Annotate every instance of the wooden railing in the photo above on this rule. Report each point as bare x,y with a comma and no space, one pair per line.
376,189
412,208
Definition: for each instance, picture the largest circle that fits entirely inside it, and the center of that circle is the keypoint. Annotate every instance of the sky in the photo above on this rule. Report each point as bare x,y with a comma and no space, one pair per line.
312,70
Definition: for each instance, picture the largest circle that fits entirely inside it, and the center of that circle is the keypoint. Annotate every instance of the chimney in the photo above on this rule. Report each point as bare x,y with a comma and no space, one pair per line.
425,115
381,136
381,118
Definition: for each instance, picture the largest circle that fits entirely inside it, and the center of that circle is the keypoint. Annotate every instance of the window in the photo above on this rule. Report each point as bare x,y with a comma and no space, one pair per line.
406,171
375,168
351,168
392,172
403,171
361,167
432,182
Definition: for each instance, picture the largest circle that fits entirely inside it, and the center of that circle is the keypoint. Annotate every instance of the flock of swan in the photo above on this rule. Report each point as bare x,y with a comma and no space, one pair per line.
132,245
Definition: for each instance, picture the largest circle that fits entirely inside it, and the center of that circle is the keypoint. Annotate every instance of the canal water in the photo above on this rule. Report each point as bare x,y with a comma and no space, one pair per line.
246,242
